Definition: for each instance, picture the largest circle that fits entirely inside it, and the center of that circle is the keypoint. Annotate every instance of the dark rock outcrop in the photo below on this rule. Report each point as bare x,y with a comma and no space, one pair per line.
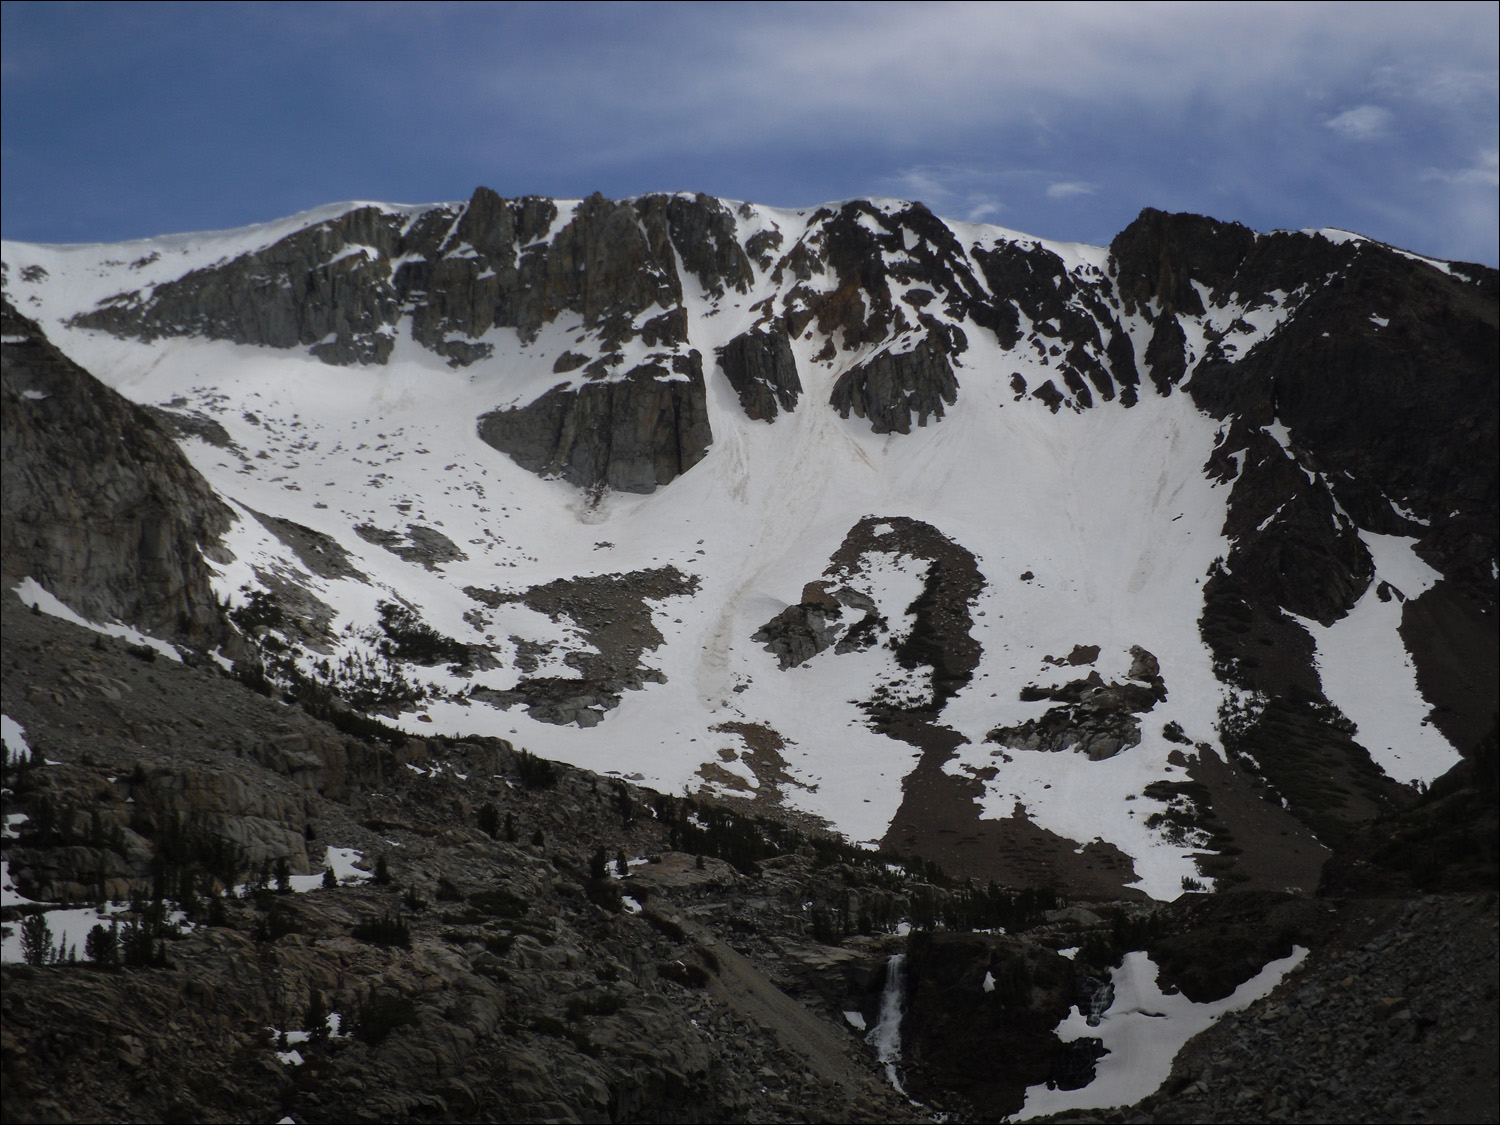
985,1044
1292,546
629,434
327,287
99,505
1407,408
613,612
1160,255
761,368
1095,718
798,633
892,388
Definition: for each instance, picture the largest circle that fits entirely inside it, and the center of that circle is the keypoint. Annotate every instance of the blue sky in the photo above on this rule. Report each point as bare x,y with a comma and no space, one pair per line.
129,120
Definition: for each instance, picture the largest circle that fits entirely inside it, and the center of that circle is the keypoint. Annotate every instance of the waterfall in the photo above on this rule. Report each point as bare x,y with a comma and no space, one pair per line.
886,1037
1100,1000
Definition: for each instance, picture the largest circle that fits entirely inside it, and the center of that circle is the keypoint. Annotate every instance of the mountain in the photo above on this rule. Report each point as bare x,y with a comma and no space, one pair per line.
1115,571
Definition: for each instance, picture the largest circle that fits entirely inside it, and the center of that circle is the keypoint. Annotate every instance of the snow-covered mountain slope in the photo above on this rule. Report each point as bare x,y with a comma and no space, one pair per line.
934,531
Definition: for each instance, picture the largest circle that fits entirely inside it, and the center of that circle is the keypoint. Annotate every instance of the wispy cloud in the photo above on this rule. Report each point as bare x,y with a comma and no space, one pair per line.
1068,189
1484,172
1362,123
1057,119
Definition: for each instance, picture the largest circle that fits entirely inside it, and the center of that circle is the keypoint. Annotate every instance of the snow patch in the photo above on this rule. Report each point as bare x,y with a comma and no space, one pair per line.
1142,1032
34,594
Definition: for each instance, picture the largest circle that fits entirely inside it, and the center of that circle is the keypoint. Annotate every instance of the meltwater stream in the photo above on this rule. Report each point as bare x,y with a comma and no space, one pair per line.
886,1035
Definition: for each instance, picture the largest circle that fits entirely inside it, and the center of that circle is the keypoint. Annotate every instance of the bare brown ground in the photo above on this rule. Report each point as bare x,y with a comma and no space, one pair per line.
939,819
1279,852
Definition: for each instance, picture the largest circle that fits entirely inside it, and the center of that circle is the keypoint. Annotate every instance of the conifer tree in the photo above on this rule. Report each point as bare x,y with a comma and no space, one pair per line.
36,939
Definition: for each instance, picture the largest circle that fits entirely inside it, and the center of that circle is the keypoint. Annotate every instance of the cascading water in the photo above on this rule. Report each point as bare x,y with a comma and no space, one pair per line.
886,1035
1100,999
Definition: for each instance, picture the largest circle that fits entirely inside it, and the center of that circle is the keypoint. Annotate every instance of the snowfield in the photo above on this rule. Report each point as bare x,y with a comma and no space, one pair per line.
1107,510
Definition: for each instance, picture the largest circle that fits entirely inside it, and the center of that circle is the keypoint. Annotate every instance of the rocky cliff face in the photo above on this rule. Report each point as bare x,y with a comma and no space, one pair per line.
761,368
630,434
1354,391
100,506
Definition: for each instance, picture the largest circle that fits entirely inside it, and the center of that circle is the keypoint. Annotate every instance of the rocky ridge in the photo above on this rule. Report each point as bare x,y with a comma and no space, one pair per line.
99,504
1336,420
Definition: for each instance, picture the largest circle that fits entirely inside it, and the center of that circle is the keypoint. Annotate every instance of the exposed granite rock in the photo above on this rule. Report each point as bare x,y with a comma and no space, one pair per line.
629,434
702,230
425,545
938,639
761,368
1404,410
1095,718
99,505
800,632
320,553
892,388
1065,309
975,1047
614,614
332,279
1166,354
1291,544
331,287
1160,255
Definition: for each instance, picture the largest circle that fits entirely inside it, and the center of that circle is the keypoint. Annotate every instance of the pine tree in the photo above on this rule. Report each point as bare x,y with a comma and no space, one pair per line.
36,939
102,946
316,1023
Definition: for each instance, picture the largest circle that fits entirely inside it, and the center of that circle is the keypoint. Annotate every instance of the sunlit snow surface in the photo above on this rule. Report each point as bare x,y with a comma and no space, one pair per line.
1108,509
1368,674
13,737
1143,1030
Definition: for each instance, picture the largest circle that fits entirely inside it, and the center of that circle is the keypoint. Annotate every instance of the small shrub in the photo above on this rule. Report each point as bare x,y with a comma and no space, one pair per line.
316,1020
489,819
385,930
535,773
605,1004
382,1014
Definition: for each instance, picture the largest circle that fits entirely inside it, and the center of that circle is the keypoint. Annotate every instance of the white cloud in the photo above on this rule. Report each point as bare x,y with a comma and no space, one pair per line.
1484,172
1067,189
711,79
1362,123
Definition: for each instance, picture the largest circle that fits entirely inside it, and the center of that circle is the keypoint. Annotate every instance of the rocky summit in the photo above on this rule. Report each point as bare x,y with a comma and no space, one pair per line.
674,659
